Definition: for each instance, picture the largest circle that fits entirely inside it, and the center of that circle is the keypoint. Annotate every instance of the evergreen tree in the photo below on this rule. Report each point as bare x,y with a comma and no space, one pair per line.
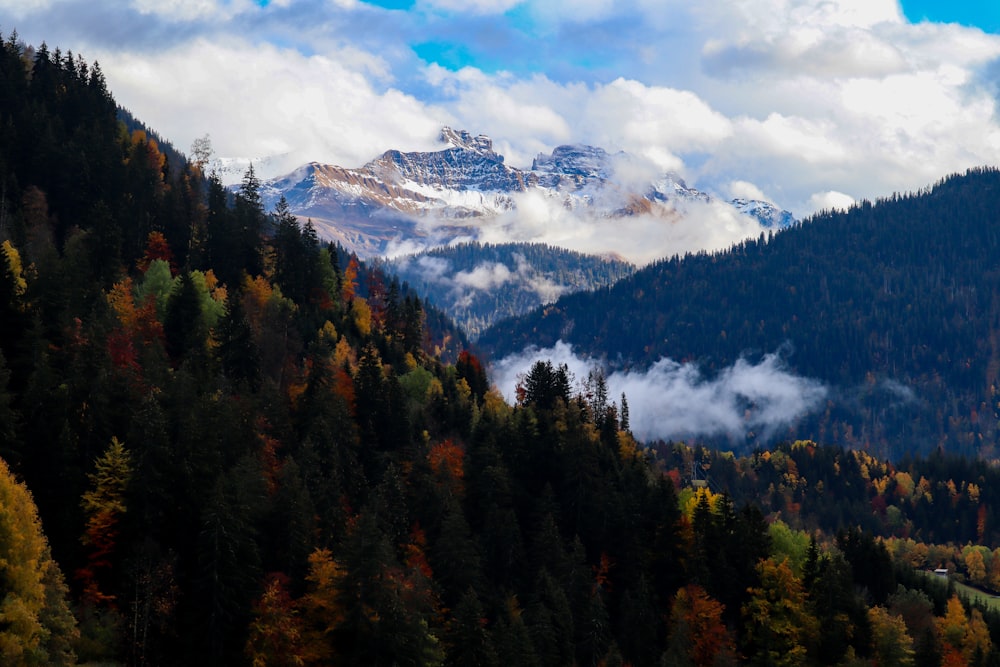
183,325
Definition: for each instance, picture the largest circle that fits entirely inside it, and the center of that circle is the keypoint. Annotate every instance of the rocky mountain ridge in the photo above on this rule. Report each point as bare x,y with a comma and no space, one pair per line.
437,197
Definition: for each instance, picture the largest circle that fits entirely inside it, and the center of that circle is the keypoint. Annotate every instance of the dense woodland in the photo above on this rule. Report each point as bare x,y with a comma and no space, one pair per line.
477,284
893,305
224,443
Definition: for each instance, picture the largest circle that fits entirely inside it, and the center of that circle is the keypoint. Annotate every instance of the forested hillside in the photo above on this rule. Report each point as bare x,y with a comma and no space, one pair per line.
226,444
478,284
893,305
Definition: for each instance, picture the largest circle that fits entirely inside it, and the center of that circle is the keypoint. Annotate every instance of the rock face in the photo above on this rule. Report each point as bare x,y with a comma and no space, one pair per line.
466,183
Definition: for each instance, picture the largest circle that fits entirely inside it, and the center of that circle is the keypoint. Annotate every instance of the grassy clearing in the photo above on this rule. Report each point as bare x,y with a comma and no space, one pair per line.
991,601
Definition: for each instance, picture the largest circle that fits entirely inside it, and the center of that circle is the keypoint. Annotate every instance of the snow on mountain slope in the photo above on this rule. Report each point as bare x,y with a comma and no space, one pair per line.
408,201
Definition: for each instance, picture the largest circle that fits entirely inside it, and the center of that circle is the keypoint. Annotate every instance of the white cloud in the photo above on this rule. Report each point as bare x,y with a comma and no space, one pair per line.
640,238
528,116
830,201
673,401
486,276
257,100
746,190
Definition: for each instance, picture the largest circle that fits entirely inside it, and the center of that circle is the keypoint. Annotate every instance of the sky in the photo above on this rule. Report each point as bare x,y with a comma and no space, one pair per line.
809,104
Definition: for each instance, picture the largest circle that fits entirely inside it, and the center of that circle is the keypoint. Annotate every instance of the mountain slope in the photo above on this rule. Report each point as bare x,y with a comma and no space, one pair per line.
895,305
432,198
478,284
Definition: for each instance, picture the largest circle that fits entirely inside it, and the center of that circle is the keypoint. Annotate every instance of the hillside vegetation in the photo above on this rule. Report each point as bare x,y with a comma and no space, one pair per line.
895,305
226,444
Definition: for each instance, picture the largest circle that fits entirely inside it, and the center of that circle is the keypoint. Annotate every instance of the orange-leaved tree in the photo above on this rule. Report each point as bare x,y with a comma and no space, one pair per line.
698,635
276,629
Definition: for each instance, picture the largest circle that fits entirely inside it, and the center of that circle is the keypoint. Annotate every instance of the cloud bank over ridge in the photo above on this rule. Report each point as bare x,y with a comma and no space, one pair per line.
676,401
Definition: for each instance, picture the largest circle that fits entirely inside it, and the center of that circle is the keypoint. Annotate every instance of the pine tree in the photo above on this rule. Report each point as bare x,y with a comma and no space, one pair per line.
183,326
468,641
104,504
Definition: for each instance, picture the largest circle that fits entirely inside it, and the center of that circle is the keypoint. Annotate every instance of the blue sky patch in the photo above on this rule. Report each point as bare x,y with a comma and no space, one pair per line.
446,54
984,15
391,4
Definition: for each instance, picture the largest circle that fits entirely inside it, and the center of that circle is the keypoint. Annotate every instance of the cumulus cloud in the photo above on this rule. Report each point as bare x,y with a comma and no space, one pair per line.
674,401
260,100
797,97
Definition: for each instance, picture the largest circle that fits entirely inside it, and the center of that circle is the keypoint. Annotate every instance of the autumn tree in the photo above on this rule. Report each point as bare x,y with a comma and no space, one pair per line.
892,645
698,636
276,629
323,610
778,625
157,248
103,505
963,638
36,625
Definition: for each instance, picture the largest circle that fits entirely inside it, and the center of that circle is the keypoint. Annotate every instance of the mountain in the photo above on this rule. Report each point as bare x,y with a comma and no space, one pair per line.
435,197
477,284
894,306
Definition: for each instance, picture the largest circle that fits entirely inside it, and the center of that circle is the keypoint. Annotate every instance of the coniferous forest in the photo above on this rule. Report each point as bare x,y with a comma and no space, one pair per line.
225,443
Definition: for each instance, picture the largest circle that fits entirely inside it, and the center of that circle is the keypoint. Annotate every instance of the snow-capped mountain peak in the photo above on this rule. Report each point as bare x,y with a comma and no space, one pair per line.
461,187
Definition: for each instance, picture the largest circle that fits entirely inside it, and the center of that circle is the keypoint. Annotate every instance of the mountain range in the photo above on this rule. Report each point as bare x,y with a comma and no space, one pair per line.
417,200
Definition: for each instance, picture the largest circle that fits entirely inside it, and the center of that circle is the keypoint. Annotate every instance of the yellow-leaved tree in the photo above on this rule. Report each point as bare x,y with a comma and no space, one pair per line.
36,625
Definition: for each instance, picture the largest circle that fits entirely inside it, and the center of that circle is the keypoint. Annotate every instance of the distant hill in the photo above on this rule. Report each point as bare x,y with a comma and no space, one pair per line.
895,305
477,284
